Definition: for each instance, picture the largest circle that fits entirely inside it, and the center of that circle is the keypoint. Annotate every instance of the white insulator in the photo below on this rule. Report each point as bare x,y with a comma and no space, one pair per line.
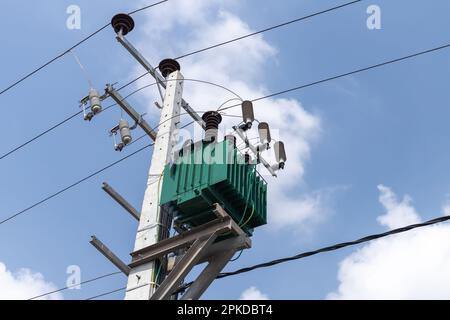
125,132
264,133
96,103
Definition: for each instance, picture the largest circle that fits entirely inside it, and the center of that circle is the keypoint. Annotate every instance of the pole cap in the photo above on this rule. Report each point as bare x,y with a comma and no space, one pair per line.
124,22
167,66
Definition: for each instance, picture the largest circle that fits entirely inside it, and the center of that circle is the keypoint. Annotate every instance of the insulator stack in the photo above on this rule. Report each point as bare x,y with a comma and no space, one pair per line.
94,100
264,133
247,158
212,120
280,154
247,115
125,132
231,140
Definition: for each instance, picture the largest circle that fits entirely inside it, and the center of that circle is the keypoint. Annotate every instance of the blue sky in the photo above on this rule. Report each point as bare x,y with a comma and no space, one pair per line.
386,126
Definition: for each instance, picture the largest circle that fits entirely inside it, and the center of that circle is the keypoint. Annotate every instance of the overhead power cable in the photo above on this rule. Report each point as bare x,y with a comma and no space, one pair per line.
145,74
283,24
86,178
322,81
316,83
312,253
76,285
300,87
72,116
180,57
382,64
106,293
327,249
71,48
73,185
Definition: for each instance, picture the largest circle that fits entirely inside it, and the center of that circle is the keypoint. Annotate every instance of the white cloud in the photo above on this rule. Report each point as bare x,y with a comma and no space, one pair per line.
446,210
24,284
413,265
398,214
239,66
253,293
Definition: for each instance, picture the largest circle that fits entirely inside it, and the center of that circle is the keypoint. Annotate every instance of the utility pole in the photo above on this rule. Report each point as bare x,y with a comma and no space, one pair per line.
142,279
213,241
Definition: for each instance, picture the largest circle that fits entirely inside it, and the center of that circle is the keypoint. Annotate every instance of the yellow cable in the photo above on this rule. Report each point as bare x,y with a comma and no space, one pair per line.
249,218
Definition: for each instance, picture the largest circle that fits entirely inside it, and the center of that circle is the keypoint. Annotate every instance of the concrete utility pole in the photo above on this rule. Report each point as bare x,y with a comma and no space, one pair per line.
141,285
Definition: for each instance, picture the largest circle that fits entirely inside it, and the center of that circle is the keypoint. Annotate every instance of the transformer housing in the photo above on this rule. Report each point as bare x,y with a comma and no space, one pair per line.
206,173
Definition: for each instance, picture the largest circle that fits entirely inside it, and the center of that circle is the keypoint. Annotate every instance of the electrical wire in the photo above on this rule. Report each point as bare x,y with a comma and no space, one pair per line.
82,180
337,246
258,99
238,256
268,29
73,185
382,64
147,7
83,69
107,293
70,49
146,73
78,284
105,109
223,104
298,256
238,97
326,249
283,24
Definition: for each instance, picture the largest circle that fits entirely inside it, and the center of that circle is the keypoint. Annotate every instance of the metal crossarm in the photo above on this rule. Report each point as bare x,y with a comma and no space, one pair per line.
202,248
158,77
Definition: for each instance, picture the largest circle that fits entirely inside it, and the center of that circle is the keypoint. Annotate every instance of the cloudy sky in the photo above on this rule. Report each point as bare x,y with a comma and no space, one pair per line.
366,153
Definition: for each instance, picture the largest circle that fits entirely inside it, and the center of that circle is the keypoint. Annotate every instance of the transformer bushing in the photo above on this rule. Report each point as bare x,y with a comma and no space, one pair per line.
212,120
247,158
231,140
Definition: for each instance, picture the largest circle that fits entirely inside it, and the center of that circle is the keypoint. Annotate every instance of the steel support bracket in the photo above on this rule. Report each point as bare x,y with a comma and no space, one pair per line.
121,200
130,111
202,248
158,77
104,250
254,150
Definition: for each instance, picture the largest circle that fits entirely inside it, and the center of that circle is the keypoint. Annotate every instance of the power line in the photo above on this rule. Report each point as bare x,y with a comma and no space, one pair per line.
70,49
107,293
337,246
74,184
305,86
24,144
283,24
315,83
145,74
78,284
414,55
40,135
327,249
147,7
268,29
85,178
309,253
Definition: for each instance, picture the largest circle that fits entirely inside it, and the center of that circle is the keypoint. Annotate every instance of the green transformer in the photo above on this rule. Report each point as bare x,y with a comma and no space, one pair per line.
202,174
